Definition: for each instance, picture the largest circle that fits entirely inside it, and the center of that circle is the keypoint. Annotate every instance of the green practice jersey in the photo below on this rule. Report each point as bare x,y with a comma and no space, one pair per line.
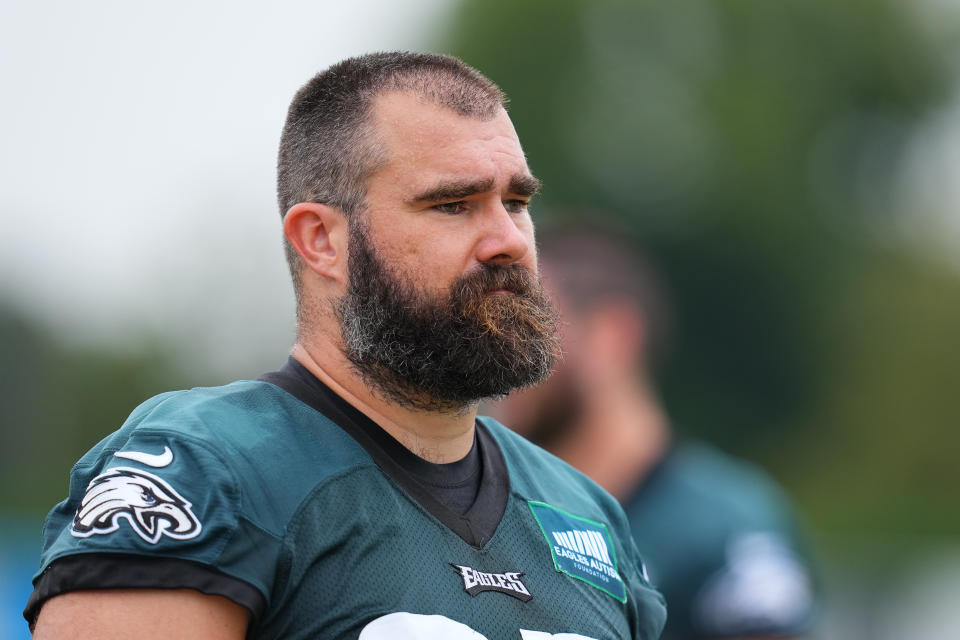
282,497
722,546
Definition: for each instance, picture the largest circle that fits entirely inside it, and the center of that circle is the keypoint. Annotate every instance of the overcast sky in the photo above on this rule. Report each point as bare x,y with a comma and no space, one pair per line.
137,151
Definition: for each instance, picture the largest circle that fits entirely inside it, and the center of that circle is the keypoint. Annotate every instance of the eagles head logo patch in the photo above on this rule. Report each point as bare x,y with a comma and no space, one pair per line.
151,507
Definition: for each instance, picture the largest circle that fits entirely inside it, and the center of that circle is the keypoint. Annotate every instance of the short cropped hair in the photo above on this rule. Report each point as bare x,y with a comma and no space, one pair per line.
329,149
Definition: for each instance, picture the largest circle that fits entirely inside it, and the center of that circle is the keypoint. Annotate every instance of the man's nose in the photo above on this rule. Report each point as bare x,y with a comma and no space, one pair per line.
506,236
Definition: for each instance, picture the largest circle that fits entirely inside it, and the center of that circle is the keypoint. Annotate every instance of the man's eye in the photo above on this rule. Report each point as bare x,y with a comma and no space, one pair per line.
450,207
516,206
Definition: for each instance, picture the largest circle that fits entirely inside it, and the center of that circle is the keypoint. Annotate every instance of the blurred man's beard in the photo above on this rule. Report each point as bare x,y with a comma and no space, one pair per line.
552,412
445,354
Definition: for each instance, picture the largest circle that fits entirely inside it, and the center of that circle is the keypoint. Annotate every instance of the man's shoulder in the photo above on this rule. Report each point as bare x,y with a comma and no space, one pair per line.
241,457
700,478
249,435
536,474
527,456
248,400
724,546
239,414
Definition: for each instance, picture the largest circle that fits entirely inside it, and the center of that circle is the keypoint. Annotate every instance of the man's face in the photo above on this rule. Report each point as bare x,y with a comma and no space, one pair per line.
443,306
452,194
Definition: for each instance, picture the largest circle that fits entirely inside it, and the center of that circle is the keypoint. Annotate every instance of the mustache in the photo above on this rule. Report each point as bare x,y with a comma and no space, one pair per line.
514,278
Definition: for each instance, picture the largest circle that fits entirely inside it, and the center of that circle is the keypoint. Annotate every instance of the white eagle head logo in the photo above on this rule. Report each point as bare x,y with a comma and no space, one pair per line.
149,504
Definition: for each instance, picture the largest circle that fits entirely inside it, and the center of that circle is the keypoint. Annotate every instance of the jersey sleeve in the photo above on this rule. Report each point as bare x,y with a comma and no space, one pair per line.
155,505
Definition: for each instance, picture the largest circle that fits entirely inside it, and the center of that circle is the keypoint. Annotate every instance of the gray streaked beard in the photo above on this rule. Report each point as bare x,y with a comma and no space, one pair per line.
445,354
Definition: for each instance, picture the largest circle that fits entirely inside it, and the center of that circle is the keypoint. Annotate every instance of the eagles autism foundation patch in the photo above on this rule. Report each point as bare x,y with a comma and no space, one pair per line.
581,548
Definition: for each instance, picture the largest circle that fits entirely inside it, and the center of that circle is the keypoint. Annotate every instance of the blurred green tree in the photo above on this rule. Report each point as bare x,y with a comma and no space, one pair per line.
753,149
58,399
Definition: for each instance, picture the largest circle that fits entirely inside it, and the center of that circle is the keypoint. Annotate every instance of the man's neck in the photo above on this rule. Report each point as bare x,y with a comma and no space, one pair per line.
437,437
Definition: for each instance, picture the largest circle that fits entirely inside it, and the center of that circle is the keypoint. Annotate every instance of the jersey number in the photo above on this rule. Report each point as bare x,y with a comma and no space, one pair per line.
413,626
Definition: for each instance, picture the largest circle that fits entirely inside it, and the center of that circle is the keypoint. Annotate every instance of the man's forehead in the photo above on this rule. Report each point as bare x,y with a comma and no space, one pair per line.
432,147
403,117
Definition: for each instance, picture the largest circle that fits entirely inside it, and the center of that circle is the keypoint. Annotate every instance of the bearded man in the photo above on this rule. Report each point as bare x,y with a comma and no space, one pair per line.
354,493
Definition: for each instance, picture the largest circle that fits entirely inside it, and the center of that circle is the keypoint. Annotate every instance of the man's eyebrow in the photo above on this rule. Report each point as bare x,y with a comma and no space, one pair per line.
521,184
452,191
524,184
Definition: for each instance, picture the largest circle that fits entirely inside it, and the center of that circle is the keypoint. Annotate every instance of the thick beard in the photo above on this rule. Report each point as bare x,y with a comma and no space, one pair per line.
434,354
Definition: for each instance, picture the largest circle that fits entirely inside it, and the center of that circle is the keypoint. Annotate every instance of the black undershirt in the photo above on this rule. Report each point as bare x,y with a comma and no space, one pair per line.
453,484
486,491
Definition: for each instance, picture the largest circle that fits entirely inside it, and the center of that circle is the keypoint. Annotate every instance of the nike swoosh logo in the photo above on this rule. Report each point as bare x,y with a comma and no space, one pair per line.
149,459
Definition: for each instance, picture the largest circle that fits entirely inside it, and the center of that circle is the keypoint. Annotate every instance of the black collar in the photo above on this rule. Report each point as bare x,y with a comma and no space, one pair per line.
476,526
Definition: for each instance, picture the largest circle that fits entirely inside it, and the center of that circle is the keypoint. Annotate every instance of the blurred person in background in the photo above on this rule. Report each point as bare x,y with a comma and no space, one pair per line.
717,533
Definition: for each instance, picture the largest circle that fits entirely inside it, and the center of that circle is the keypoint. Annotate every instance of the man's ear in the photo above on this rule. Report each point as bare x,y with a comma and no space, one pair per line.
319,233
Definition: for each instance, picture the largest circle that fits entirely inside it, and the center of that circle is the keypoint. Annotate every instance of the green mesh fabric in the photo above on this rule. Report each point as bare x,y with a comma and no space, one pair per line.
292,505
